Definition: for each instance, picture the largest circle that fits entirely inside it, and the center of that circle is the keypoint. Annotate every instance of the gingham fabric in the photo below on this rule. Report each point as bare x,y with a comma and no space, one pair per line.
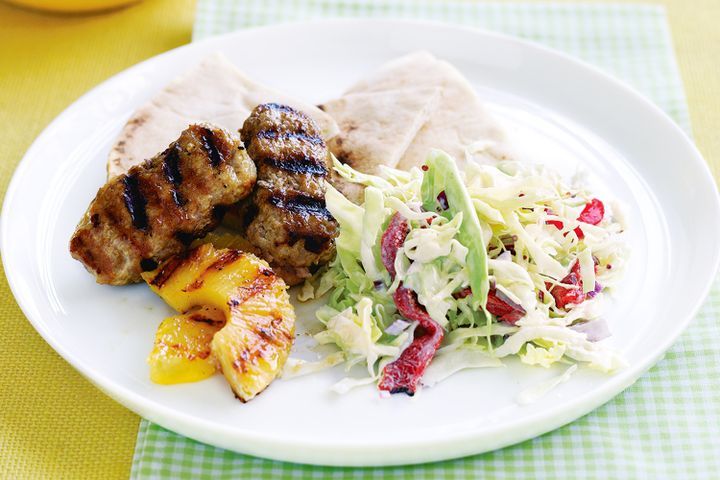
667,425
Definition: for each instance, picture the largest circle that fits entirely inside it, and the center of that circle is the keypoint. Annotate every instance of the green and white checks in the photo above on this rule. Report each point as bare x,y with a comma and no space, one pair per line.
667,425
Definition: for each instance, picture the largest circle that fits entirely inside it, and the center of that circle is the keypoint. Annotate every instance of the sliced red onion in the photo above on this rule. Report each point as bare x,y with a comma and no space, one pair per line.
443,201
598,288
397,327
595,330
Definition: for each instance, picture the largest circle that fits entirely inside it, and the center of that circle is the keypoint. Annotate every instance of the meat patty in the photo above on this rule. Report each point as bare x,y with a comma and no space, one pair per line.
141,218
286,218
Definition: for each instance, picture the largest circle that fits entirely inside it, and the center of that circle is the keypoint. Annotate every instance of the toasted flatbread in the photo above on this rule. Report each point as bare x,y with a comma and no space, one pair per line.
459,120
376,129
214,91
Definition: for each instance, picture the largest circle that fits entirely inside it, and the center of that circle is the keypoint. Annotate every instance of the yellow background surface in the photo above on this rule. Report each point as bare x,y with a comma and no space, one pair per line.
55,424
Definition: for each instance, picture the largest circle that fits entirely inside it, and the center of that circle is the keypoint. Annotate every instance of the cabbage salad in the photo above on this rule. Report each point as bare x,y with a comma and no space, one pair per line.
497,261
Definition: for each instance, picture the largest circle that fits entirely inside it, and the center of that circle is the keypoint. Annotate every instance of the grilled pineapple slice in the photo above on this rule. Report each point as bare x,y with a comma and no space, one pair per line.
182,351
252,346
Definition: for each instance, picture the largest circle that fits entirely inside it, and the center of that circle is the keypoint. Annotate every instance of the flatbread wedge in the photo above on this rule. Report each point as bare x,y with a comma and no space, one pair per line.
376,129
459,120
213,91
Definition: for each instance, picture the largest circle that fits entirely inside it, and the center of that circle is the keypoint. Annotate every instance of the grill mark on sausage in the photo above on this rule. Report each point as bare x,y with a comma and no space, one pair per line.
207,138
314,243
300,203
225,259
171,170
135,202
299,164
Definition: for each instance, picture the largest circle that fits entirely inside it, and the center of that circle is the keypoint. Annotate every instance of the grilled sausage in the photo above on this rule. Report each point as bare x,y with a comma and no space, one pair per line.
286,217
141,218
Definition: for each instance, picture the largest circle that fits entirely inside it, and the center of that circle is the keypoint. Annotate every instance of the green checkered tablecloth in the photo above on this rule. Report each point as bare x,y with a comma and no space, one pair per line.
665,426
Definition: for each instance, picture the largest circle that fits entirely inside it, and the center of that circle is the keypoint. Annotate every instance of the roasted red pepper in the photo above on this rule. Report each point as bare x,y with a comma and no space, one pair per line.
565,296
403,375
504,308
593,214
555,223
392,240
574,295
465,292
499,304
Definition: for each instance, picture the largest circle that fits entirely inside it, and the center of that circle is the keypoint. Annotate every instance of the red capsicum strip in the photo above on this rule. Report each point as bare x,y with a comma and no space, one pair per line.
499,305
573,295
592,214
503,307
392,240
403,375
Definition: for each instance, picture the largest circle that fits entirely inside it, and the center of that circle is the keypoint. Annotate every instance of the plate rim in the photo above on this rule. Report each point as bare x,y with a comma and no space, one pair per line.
411,451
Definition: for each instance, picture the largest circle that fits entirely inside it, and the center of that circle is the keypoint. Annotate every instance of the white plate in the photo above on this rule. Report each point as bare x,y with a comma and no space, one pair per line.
561,110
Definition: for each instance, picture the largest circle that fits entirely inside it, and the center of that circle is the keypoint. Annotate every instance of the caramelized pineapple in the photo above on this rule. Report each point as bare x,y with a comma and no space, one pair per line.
256,341
182,351
252,346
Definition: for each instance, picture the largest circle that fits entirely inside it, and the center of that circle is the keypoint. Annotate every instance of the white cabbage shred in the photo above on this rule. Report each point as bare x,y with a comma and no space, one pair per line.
529,220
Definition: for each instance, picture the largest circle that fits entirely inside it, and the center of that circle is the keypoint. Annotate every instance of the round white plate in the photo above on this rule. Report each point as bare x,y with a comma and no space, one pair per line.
559,110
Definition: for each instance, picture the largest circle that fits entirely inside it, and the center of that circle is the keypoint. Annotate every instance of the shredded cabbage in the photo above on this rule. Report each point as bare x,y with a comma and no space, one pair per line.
506,231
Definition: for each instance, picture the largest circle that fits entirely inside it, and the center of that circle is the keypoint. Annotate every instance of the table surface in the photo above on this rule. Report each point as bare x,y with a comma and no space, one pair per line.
53,423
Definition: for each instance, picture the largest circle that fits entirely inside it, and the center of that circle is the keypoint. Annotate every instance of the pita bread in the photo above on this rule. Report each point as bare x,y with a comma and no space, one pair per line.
376,129
459,119
214,91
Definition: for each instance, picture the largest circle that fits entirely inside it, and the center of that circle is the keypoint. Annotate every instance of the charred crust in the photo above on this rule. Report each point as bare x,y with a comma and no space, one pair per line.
316,243
259,284
186,238
172,173
225,259
168,269
148,264
407,390
135,201
302,163
209,142
266,334
297,202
